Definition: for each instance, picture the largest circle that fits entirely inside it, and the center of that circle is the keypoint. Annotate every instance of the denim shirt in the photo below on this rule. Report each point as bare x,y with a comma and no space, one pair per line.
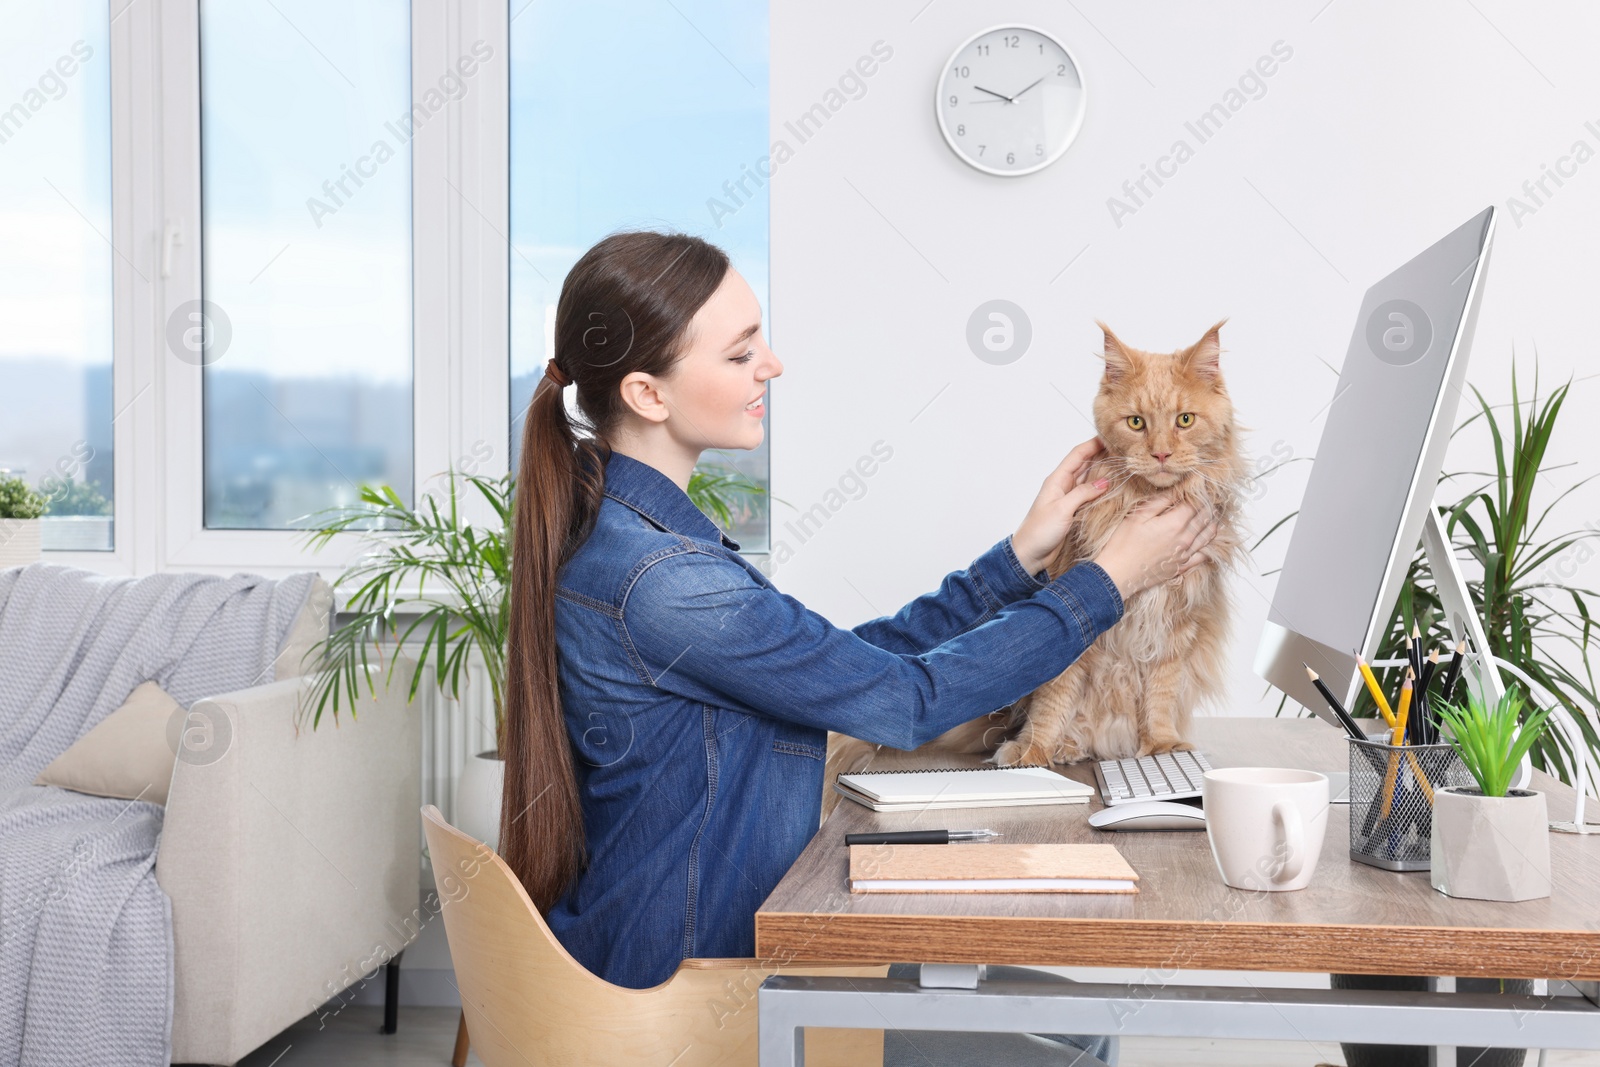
698,697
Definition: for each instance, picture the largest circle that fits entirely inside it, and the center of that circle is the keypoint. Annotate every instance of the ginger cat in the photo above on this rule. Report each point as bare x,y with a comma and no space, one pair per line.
1168,426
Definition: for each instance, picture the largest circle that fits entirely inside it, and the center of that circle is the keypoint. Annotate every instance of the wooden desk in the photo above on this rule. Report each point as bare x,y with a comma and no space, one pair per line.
1352,918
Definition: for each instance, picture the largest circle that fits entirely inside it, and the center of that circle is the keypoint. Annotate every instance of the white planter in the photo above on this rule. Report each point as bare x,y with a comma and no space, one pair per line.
478,798
20,542
1491,848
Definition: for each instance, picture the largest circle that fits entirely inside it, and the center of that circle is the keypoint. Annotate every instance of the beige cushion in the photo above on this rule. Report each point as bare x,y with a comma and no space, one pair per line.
313,624
126,755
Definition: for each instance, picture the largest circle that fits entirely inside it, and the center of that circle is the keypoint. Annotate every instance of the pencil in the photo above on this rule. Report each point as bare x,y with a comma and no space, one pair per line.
1448,685
1422,779
1405,709
1390,786
1377,694
1350,725
1424,729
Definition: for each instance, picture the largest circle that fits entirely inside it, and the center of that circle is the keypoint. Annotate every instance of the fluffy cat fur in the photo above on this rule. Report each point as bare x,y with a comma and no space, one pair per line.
1134,690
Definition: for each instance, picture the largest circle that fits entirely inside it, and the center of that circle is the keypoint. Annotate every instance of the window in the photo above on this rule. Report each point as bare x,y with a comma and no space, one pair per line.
56,266
304,332
265,252
629,116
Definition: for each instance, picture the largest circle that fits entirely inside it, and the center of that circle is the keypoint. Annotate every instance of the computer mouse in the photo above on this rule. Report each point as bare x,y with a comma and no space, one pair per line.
1150,815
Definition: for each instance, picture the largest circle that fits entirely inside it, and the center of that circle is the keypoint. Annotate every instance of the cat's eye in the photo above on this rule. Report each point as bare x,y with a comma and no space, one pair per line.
1186,419
1136,422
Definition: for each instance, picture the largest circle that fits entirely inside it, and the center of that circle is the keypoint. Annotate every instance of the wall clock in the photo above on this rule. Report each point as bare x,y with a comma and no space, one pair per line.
1010,100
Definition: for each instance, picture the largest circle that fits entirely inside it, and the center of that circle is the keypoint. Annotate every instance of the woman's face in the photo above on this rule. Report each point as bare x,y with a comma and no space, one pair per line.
716,395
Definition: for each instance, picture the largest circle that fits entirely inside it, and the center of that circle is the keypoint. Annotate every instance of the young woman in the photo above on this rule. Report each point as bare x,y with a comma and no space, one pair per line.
667,707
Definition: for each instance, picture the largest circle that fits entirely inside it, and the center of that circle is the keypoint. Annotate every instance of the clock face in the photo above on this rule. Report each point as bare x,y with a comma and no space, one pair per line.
1010,100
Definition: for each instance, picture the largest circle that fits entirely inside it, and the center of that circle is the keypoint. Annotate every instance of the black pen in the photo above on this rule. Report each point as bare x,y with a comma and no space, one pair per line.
917,837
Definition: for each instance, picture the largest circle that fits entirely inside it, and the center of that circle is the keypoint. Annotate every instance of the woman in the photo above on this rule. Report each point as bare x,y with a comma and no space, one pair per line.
667,707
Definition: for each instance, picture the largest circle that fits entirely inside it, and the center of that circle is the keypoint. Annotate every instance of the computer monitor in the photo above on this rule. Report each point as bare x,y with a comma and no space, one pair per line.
1372,481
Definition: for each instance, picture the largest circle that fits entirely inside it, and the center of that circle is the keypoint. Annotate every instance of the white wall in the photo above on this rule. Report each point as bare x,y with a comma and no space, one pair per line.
1388,127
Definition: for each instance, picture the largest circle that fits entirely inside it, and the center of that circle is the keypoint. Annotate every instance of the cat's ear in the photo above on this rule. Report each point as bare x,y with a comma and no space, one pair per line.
1118,362
1204,358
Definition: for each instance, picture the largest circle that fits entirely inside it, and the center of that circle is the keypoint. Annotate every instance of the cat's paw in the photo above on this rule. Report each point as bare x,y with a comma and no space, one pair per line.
1156,747
1067,752
1017,752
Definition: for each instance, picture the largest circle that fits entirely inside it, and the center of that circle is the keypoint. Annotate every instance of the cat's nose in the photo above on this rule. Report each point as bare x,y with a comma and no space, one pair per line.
1161,457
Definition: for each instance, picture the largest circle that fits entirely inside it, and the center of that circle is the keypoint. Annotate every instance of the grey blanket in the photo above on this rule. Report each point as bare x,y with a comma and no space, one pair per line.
85,930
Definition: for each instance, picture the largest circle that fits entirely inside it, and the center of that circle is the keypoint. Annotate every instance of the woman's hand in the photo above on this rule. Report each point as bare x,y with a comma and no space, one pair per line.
1157,541
1066,490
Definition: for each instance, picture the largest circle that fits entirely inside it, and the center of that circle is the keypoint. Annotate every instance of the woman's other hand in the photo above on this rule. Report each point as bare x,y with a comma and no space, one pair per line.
1156,542
1066,490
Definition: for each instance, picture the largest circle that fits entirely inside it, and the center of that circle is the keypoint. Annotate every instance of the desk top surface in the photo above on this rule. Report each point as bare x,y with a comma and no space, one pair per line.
1353,918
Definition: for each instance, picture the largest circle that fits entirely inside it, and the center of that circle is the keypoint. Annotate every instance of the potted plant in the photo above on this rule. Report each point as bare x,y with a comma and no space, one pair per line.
1529,595
429,573
1523,586
1492,842
20,508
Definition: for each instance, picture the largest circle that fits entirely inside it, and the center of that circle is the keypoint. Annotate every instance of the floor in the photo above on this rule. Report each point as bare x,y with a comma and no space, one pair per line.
427,1037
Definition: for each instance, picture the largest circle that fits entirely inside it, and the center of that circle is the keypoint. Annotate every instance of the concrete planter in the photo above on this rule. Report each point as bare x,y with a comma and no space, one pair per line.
20,542
1491,848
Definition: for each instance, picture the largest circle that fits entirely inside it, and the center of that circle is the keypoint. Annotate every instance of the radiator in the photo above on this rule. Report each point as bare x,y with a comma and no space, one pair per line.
453,731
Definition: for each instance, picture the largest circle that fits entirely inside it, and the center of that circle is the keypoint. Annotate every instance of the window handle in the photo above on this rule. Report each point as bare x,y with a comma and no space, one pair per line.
170,237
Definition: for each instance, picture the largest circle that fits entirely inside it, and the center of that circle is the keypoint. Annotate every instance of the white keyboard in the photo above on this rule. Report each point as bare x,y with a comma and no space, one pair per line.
1169,776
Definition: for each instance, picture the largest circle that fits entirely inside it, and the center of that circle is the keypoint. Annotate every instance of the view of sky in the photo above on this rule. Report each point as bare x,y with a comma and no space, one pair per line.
632,116
55,181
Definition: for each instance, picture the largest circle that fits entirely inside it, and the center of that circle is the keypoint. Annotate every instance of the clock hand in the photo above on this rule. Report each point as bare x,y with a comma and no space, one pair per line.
991,92
1030,85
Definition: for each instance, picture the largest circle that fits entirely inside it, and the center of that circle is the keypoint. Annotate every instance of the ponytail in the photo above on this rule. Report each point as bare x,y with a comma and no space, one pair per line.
625,306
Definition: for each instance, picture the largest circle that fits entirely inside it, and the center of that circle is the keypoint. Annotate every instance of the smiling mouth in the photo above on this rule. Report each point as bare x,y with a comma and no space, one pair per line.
757,402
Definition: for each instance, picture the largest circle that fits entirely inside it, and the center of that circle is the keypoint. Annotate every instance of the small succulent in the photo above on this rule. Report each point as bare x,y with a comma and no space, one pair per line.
1487,739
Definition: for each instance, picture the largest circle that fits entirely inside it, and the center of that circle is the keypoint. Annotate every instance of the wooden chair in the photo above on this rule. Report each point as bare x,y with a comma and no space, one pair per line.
527,1003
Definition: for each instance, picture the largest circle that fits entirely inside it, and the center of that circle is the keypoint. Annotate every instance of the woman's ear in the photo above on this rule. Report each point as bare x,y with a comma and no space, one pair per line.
642,396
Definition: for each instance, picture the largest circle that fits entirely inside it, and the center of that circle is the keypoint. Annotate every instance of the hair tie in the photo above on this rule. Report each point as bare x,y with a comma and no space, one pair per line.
553,372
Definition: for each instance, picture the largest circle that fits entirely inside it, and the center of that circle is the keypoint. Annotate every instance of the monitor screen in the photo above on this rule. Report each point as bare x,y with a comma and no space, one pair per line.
1376,466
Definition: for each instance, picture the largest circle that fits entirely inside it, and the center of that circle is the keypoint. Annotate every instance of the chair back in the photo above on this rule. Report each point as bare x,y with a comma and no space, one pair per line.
529,1003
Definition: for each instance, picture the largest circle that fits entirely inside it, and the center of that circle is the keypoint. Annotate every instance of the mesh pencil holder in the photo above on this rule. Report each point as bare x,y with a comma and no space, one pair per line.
1391,801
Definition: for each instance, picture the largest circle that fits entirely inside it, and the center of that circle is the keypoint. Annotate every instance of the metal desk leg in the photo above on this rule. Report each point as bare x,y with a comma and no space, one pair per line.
950,975
787,1003
1442,1055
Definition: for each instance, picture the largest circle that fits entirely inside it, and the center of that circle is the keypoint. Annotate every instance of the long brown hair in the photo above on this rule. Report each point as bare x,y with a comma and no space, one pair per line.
625,306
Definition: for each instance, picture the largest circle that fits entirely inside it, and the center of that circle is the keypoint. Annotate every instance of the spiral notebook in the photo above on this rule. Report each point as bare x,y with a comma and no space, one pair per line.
961,787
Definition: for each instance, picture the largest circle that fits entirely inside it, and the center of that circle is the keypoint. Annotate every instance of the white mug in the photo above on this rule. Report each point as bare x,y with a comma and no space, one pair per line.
1266,825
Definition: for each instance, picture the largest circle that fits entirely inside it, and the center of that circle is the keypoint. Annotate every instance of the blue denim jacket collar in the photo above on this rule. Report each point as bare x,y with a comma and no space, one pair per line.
658,498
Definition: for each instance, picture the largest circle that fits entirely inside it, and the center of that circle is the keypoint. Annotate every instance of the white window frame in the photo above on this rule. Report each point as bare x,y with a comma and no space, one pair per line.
460,287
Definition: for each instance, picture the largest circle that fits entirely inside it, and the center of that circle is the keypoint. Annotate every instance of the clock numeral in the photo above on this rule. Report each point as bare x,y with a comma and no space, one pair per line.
1011,157
980,149
1011,40
961,130
1041,48
1038,149
952,100
1061,70
961,72
982,49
